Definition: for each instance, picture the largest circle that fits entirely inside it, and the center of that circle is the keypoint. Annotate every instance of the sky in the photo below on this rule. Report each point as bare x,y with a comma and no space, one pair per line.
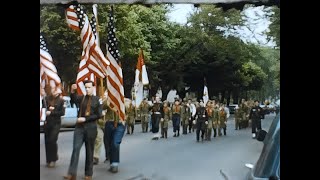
254,17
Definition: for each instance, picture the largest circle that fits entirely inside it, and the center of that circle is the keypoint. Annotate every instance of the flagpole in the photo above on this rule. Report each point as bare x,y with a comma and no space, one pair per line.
95,13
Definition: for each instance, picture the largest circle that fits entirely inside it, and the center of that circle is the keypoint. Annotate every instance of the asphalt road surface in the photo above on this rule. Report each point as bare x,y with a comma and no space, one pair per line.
180,158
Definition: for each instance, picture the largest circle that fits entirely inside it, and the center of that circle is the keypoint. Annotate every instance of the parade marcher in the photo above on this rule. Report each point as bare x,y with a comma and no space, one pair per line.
209,126
155,117
55,109
222,121
165,120
185,118
90,110
255,115
144,113
99,140
131,115
216,119
113,133
193,113
237,118
244,114
176,115
201,120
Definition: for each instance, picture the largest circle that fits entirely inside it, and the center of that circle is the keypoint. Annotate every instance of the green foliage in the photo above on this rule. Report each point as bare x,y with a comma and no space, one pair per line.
176,56
275,26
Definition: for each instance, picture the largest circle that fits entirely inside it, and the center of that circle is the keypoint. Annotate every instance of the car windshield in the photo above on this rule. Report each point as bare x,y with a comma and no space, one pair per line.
269,159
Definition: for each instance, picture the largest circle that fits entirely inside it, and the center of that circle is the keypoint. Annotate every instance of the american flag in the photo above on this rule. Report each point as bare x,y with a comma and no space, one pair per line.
48,71
115,90
92,59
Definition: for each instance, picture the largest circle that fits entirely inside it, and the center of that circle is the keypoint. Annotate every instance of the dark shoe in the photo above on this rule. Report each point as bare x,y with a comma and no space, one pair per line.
128,133
174,135
70,177
162,137
113,169
95,161
155,138
88,178
197,140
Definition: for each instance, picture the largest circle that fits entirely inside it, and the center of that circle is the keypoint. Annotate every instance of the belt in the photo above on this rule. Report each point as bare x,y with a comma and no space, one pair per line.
156,113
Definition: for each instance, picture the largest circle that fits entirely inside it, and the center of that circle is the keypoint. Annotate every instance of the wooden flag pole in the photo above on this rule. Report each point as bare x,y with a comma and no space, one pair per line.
95,13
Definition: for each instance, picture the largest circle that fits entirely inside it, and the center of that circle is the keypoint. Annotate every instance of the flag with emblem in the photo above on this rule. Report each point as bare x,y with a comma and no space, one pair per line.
205,93
141,78
115,90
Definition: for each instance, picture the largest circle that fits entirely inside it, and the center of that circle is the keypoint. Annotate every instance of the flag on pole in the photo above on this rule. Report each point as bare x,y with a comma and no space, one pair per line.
205,93
141,79
92,59
115,90
48,72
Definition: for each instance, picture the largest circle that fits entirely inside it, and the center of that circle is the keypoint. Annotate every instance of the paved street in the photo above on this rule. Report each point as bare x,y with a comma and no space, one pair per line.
179,158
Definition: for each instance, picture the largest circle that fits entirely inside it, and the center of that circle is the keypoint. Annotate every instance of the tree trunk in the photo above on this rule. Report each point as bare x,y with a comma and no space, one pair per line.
228,97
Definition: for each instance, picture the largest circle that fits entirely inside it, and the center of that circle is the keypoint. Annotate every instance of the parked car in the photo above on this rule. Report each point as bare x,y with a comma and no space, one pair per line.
268,165
70,117
232,108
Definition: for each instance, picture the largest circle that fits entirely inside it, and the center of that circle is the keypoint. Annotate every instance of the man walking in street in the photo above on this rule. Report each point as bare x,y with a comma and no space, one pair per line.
90,110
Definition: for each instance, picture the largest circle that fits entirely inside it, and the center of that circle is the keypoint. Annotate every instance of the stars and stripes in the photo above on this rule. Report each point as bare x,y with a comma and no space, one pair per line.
115,90
48,72
92,59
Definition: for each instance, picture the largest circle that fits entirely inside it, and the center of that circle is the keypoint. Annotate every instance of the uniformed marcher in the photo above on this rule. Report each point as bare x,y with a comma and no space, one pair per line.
222,121
176,117
144,113
244,113
210,111
165,120
201,120
131,115
185,118
99,139
193,113
237,118
216,119
155,117
255,115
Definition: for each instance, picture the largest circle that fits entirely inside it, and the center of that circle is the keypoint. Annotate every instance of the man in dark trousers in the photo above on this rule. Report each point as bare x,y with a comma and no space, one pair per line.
52,125
157,114
90,110
255,115
201,120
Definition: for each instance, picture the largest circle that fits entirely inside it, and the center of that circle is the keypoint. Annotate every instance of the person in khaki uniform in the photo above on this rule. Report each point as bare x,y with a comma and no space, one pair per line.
164,122
98,143
237,118
216,119
210,112
244,114
222,121
144,109
176,117
130,113
185,117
